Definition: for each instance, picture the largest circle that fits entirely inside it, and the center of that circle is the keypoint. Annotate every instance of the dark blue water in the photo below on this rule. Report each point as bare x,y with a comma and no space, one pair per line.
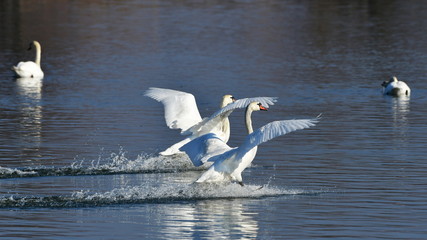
79,149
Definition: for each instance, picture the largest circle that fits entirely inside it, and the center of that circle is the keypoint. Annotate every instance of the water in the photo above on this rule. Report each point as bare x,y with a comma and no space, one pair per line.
79,149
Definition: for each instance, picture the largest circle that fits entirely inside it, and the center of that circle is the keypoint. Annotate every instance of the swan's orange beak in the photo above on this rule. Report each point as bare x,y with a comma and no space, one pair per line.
262,108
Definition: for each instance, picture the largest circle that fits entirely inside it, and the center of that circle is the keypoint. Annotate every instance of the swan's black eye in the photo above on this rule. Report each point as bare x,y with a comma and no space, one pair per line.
259,104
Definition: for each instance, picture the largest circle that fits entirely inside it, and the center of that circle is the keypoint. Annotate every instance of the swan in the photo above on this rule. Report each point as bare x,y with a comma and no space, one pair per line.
396,88
30,69
181,112
229,163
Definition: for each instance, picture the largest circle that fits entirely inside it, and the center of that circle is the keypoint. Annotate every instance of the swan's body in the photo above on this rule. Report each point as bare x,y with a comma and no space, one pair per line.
395,88
30,69
181,112
229,163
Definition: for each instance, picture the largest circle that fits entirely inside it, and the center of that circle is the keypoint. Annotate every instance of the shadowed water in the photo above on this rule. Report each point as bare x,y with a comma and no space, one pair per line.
79,148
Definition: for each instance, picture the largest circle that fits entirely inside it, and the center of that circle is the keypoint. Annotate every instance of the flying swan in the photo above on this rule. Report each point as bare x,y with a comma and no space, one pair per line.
396,88
229,163
181,112
30,69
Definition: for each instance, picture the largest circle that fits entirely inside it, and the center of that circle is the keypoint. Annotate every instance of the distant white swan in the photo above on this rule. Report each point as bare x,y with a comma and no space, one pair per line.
395,88
30,69
181,112
228,163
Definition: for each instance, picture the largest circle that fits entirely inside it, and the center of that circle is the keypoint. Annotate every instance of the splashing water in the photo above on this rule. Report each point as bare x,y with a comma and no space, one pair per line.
116,163
149,194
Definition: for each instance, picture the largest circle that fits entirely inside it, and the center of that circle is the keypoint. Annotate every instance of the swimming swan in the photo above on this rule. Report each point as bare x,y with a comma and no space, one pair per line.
181,112
395,88
229,163
30,69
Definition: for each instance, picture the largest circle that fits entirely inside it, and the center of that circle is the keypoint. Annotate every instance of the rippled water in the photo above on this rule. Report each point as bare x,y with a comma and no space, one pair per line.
79,149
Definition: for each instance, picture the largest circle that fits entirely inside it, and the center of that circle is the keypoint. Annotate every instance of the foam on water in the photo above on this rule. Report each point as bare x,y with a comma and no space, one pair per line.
13,172
114,164
169,193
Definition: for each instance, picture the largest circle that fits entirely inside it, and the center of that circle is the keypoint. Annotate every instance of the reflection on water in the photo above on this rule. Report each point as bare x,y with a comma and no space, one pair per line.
211,220
400,111
29,105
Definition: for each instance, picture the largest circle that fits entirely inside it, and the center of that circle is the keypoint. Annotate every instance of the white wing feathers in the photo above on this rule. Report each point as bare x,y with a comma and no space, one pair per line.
210,148
181,110
244,102
201,149
272,130
208,124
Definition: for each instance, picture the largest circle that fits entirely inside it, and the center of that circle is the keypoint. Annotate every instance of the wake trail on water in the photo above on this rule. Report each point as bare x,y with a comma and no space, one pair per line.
115,164
171,193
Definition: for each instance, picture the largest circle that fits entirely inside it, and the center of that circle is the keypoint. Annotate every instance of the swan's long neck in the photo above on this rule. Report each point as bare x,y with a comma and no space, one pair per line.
248,120
225,128
38,53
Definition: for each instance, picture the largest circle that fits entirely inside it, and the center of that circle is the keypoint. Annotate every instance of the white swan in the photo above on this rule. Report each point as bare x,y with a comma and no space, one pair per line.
228,163
395,88
30,69
181,112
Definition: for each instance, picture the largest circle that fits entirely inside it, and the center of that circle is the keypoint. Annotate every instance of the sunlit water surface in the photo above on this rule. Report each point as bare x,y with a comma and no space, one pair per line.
79,149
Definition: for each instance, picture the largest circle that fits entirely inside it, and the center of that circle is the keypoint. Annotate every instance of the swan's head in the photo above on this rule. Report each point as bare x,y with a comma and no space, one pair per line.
35,43
256,106
227,99
392,79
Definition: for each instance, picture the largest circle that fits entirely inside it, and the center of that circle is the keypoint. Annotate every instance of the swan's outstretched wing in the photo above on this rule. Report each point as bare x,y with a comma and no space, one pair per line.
208,124
181,110
201,149
242,103
272,130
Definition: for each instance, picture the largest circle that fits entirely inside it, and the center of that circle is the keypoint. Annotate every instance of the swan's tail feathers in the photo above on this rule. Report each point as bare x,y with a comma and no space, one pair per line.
170,152
174,149
211,176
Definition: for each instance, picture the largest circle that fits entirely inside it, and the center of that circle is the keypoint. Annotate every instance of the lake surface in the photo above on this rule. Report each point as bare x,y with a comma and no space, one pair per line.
79,149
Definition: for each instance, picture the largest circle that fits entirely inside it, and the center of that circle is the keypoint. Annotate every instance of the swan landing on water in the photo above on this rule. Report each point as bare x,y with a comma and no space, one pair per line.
30,69
395,88
181,112
229,163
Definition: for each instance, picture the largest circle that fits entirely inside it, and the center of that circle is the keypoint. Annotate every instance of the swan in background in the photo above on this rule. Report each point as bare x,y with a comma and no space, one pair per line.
30,69
181,112
396,88
229,163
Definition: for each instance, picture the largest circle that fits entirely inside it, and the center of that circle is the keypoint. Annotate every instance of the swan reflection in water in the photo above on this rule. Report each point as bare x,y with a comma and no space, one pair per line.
29,91
211,219
400,110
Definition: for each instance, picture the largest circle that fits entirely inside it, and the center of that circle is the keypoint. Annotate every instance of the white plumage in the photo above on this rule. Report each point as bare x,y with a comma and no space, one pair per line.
181,112
228,163
30,69
395,88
